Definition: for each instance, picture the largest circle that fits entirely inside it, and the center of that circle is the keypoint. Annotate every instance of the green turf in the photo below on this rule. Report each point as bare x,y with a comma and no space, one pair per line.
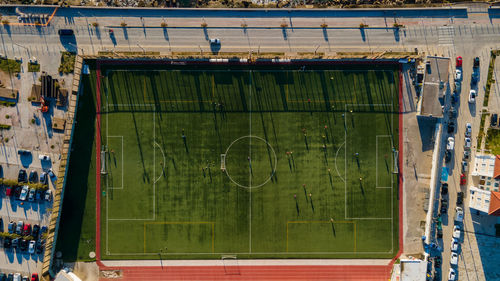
166,195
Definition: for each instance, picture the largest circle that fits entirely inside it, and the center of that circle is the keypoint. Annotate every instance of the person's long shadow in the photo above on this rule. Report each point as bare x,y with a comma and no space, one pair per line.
165,34
396,34
363,34
284,32
325,34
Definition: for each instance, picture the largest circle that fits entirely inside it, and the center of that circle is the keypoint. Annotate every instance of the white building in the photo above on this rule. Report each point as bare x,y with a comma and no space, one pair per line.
479,199
484,169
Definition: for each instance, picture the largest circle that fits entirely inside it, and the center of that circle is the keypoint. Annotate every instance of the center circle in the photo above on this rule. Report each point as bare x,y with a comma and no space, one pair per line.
250,161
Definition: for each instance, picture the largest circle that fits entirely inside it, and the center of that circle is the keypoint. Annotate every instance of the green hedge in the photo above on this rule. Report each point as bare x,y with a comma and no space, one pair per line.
10,66
67,62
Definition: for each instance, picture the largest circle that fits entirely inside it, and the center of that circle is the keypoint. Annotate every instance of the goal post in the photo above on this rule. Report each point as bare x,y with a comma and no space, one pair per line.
231,266
223,162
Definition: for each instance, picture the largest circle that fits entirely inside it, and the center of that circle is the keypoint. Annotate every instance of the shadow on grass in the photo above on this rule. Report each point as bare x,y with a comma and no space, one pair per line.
77,225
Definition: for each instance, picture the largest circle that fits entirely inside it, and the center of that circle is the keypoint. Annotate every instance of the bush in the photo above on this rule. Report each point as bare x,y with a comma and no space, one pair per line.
33,121
5,22
7,116
324,25
10,66
123,24
10,183
67,62
33,67
163,24
95,24
363,25
4,127
284,25
204,24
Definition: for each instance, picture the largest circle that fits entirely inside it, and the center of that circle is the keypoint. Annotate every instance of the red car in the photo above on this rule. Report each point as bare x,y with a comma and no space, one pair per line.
459,61
27,229
34,277
8,191
463,179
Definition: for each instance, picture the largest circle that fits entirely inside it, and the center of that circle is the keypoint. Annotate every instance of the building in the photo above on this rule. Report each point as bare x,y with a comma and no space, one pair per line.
486,172
479,199
494,204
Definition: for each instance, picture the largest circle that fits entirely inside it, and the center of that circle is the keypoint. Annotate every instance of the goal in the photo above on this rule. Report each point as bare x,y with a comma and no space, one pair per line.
231,266
223,162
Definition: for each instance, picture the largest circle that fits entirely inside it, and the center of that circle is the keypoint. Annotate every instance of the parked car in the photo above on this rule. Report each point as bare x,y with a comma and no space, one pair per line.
458,87
19,227
447,156
7,243
452,275
25,278
466,155
39,247
493,120
458,61
467,144
38,194
43,178
65,32
437,262
26,229
48,195
31,195
33,178
3,277
43,157
31,247
15,242
454,259
458,75
17,277
451,143
444,206
459,214
22,176
36,231
8,191
444,188
468,130
440,233
460,198
451,127
51,173
10,277
456,232
472,96
11,227
24,193
476,62
452,113
23,245
34,277
465,166
463,179
214,41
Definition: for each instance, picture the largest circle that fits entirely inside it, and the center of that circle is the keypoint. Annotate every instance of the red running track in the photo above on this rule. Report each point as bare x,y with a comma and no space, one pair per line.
275,273
98,167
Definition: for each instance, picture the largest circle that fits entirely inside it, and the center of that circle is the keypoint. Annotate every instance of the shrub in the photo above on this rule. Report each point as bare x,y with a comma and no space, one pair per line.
204,24
5,22
95,24
163,24
4,127
363,25
284,25
324,25
7,116
6,139
33,121
123,24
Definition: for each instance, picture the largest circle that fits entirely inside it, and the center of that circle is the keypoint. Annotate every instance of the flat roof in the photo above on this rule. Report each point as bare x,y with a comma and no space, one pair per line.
479,199
435,86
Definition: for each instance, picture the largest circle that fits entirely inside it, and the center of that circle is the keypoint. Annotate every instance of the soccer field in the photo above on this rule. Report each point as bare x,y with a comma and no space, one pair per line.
205,162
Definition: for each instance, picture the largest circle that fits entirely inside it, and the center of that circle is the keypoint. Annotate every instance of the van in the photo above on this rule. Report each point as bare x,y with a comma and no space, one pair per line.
65,32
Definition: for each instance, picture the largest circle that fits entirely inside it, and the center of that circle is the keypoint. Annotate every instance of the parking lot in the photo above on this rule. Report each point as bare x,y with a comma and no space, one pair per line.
30,145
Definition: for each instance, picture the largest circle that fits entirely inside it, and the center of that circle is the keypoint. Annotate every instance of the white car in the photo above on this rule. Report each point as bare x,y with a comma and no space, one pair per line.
452,275
24,193
456,232
467,144
468,130
451,143
458,75
454,245
31,248
472,96
48,195
17,277
459,215
454,259
214,41
43,157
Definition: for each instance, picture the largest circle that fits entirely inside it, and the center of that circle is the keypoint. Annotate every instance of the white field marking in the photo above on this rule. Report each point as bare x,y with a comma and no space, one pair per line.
250,137
376,161
345,185
249,171
336,154
107,145
164,161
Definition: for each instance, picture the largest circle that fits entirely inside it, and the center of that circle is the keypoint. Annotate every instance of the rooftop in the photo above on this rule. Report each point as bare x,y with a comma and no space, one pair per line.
484,165
479,199
435,87
494,209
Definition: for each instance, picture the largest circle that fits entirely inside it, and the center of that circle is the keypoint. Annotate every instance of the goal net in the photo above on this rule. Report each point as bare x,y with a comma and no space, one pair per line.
231,266
223,162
